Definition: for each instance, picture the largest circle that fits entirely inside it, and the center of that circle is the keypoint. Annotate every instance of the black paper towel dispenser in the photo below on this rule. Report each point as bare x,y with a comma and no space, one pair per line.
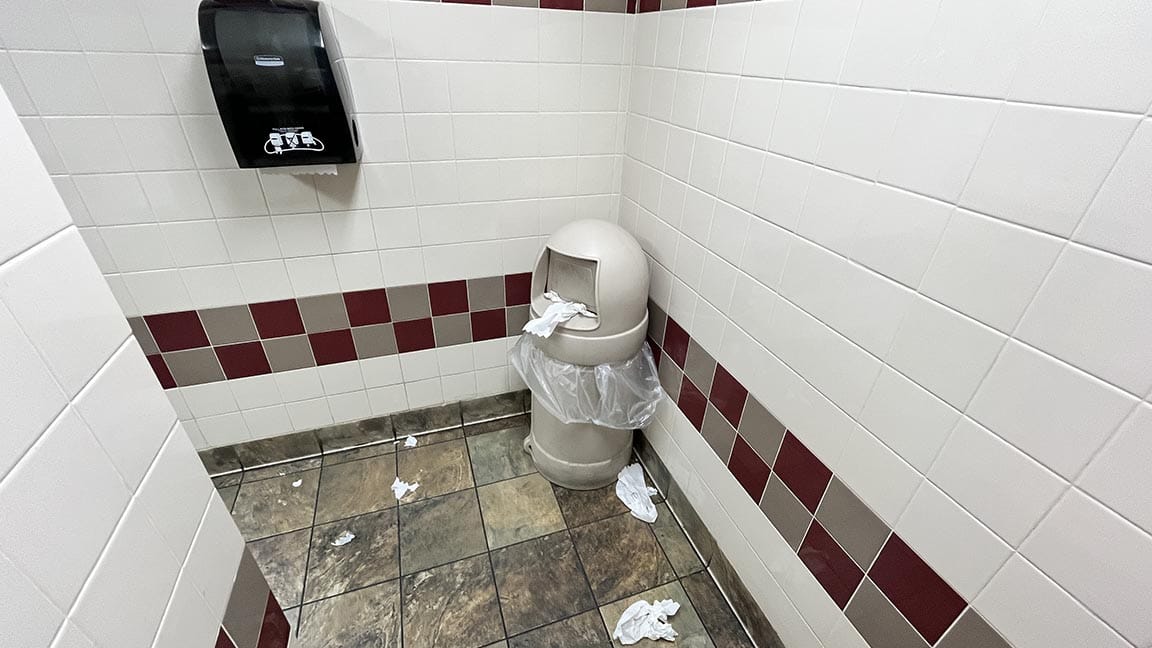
277,95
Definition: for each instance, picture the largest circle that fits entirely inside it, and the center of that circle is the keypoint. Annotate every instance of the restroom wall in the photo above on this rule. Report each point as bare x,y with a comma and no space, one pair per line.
112,533
484,130
915,236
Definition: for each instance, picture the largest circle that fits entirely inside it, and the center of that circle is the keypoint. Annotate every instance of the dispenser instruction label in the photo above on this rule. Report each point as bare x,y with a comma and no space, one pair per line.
291,139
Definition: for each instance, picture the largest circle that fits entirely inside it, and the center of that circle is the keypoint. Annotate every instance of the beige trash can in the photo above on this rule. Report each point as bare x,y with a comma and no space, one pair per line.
600,371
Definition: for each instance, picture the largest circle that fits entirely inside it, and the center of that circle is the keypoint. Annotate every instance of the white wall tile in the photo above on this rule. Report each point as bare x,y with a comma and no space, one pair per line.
131,84
88,144
860,123
878,476
823,32
176,195
174,487
1023,174
59,83
800,118
109,26
1115,220
998,484
908,419
1092,312
1117,475
897,233
234,193
29,615
885,42
1108,572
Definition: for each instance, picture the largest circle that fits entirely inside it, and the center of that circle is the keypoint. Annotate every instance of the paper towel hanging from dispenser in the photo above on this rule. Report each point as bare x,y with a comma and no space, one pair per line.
278,97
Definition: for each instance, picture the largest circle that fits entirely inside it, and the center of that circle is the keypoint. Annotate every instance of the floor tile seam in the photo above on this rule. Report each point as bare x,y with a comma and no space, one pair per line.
487,544
308,555
309,561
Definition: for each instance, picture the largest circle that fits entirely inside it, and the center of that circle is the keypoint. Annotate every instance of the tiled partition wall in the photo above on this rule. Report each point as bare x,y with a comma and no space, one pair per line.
112,534
917,234
484,129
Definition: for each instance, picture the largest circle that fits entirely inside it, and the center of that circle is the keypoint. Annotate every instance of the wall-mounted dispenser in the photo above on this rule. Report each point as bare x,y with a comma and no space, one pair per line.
275,88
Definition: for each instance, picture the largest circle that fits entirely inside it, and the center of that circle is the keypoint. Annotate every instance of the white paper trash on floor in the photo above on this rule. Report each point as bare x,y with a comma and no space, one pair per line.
644,620
635,494
558,312
400,488
343,539
410,442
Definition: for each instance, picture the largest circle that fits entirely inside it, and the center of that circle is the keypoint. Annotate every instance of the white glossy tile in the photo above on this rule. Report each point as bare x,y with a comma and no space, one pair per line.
860,123
800,118
1117,476
59,83
908,419
175,489
885,42
1115,220
897,233
880,478
823,32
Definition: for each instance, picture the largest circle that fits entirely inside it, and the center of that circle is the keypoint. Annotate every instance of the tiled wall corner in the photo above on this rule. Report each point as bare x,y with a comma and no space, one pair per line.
113,536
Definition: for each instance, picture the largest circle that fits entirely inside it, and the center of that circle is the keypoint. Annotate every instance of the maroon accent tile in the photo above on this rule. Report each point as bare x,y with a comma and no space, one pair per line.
475,2
518,287
274,631
929,603
277,318
177,331
692,402
572,5
243,360
648,5
631,6
832,567
448,297
414,335
488,325
222,640
676,342
161,369
728,395
657,352
702,3
367,307
748,468
331,347
804,473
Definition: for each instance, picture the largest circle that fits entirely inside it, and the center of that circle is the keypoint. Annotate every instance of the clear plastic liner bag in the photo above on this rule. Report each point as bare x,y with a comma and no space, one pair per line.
621,395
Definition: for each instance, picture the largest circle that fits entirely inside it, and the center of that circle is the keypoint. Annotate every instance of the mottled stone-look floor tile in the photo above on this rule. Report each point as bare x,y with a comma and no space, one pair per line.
519,509
492,407
540,581
367,618
282,559
440,530
440,417
371,557
621,557
274,506
500,455
714,611
583,506
231,479
690,632
220,460
581,631
280,470
452,606
439,468
428,438
355,488
288,447
228,495
520,420
335,438
676,546
356,454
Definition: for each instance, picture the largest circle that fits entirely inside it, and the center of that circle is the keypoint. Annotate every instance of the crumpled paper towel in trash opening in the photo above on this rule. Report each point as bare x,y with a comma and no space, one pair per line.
636,494
644,620
558,312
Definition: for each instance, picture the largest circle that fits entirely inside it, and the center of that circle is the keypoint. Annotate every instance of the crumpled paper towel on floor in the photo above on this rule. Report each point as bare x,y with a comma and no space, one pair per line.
400,488
636,494
343,539
558,312
644,620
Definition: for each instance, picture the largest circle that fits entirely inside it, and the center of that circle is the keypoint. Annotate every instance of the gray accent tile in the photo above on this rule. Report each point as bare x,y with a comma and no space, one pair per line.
745,606
785,512
718,432
287,353
852,523
515,317
245,612
670,377
731,1
408,302
485,293
878,621
613,6
492,407
665,5
452,329
374,340
534,4
143,335
971,631
700,367
429,419
194,366
761,430
323,313
229,325
657,322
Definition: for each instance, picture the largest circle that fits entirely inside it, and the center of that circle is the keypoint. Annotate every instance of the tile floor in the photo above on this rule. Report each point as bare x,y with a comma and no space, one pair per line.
486,553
